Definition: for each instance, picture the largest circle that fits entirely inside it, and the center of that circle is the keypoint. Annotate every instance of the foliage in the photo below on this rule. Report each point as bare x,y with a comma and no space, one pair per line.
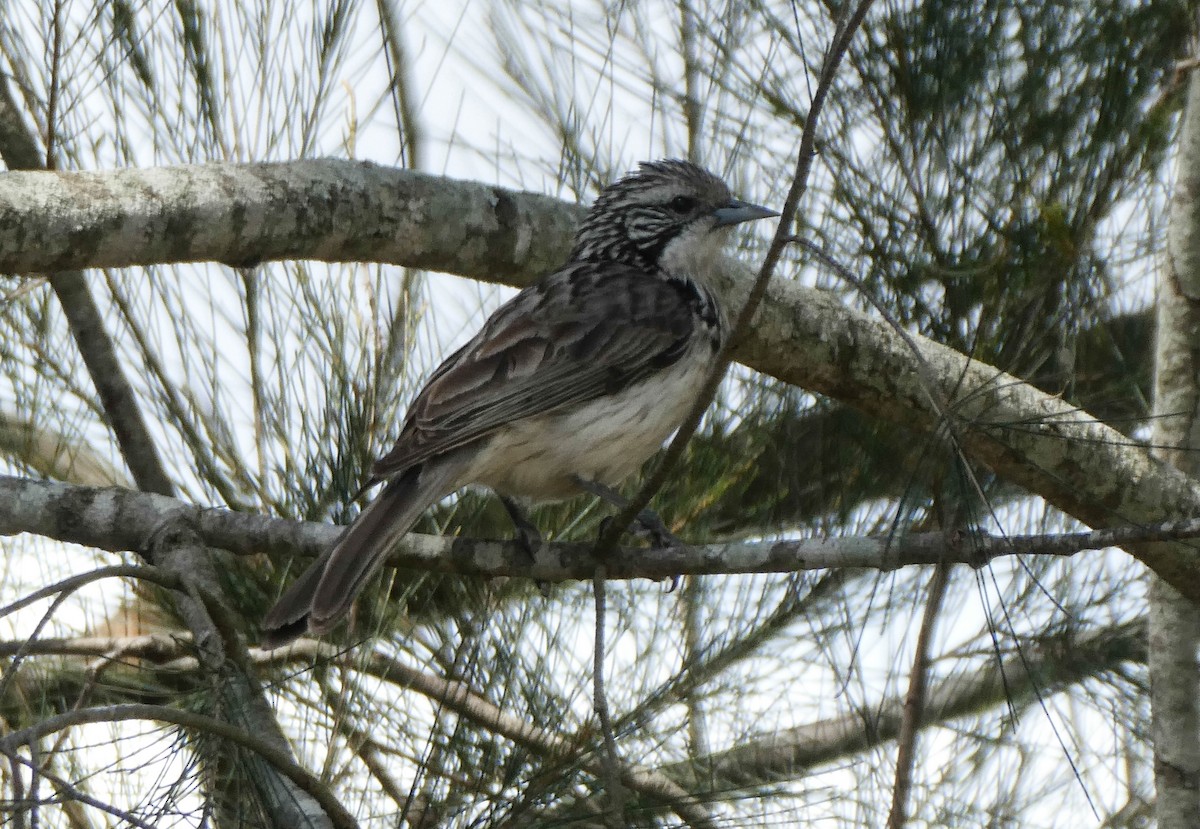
994,173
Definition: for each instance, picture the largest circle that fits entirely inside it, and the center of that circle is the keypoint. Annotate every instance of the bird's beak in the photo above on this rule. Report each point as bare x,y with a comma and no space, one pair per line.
736,212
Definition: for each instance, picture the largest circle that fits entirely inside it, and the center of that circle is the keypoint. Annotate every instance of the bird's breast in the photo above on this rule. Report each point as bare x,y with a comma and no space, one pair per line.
604,440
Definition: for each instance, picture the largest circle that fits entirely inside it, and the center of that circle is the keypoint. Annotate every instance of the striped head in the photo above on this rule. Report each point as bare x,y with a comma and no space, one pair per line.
668,216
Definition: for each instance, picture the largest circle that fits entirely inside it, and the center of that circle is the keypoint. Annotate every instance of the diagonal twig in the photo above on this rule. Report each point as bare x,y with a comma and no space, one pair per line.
805,156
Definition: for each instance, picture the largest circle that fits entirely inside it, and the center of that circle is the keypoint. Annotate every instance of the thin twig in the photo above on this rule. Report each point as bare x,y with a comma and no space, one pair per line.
615,812
52,97
19,150
62,590
458,697
915,701
65,788
805,156
1063,659
279,758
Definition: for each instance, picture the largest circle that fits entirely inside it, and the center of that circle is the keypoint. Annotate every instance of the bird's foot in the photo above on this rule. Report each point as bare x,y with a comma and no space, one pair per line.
527,536
529,540
646,525
649,525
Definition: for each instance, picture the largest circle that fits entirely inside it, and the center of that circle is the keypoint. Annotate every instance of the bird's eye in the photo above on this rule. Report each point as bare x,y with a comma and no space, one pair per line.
682,204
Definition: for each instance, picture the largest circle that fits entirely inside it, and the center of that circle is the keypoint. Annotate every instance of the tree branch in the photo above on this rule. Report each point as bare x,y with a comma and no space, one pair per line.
117,399
1174,633
346,211
264,748
458,697
244,214
1049,664
914,701
236,695
121,520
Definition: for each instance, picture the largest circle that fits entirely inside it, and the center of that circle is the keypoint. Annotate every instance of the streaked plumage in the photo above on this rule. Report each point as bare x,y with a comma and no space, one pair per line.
583,375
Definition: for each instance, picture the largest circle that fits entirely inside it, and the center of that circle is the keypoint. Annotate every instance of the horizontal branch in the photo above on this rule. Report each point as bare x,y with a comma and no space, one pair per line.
349,211
120,520
244,214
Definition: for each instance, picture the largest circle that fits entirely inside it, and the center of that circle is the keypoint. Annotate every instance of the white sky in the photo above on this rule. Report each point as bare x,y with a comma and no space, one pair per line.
474,130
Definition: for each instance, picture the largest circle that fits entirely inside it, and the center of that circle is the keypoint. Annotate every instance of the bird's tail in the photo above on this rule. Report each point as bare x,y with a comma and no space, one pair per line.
322,595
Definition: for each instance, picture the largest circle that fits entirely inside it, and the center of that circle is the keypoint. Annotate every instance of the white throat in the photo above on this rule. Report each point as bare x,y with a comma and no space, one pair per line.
696,252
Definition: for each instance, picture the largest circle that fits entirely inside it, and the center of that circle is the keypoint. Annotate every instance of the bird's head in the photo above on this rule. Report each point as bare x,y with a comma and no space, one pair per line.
669,215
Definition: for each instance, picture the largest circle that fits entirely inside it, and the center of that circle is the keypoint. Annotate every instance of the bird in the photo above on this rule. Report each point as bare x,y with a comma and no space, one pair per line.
568,388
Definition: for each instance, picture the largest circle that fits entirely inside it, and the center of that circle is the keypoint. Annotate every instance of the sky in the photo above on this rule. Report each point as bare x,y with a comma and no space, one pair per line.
475,125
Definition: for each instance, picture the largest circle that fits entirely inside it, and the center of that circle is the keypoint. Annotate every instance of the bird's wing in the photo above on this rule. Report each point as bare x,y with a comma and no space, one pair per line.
587,330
